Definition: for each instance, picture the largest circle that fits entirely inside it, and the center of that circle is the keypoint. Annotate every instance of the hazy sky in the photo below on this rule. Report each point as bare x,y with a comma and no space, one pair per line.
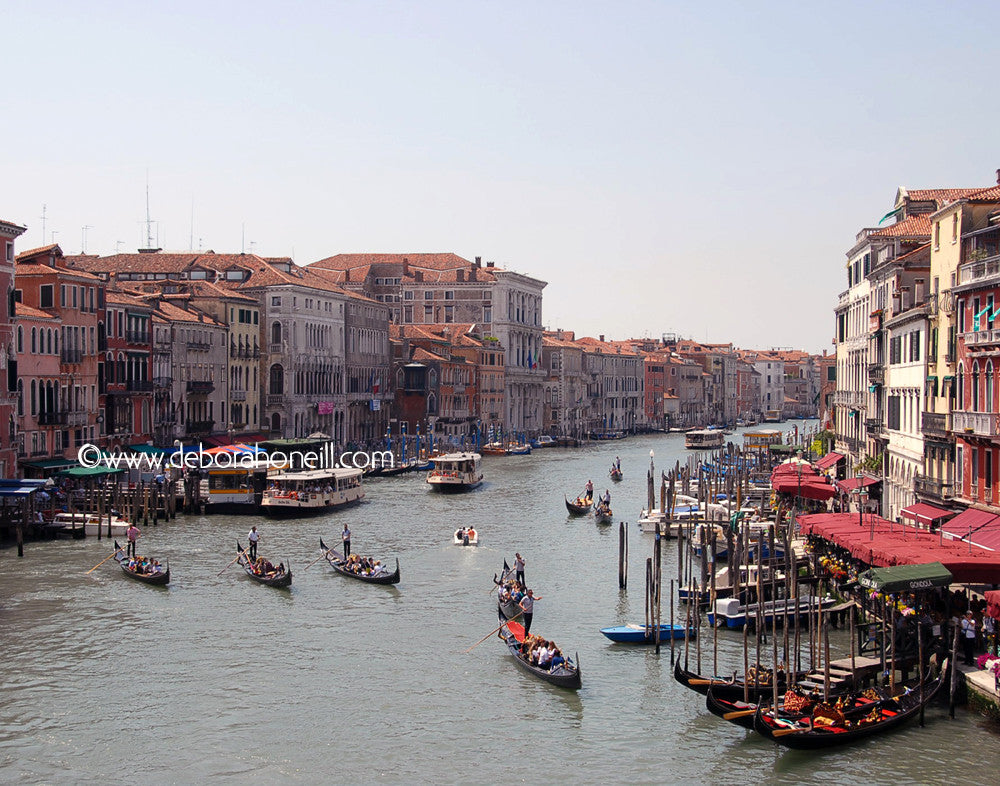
665,168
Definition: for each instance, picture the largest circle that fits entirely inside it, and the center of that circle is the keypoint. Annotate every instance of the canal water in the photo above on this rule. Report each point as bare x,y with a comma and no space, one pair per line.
216,677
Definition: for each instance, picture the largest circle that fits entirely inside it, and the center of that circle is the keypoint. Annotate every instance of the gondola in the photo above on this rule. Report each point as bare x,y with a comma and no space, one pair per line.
272,580
158,579
884,716
579,510
603,514
616,475
728,688
566,675
337,563
506,609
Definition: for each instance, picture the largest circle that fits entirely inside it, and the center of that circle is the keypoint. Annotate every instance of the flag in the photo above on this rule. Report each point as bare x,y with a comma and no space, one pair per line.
530,364
377,384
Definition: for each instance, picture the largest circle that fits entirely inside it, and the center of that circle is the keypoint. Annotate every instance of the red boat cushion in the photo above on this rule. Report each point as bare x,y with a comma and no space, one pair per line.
517,629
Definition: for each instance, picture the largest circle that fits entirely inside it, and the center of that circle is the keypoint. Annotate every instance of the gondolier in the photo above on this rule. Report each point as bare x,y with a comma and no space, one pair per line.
133,534
527,605
254,537
346,537
519,569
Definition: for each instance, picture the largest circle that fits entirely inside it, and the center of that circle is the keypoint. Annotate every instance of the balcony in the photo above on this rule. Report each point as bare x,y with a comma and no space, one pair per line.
76,418
165,420
873,426
137,336
876,374
203,346
934,489
979,424
981,338
982,271
198,426
275,349
139,385
51,418
275,400
200,386
162,382
71,355
237,395
935,424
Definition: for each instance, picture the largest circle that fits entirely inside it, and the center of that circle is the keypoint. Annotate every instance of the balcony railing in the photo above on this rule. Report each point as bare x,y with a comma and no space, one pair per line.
275,349
275,399
162,382
200,345
980,270
981,424
978,338
165,420
935,424
71,355
876,373
200,386
933,488
137,336
139,385
76,418
199,426
244,353
51,418
237,395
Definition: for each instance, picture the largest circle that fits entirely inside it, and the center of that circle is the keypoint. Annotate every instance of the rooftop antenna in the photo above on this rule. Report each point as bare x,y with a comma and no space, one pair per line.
43,224
149,222
83,238
191,237
118,245
243,236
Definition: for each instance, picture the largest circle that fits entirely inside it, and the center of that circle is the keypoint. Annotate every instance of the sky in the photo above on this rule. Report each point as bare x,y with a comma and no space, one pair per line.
665,168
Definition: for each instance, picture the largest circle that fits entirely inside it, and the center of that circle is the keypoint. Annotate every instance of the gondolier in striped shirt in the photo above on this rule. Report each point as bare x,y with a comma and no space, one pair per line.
527,605
346,537
254,537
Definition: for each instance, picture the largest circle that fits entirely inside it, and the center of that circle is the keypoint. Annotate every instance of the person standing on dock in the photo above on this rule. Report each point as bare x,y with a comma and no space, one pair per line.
133,534
519,569
527,605
346,537
969,636
254,537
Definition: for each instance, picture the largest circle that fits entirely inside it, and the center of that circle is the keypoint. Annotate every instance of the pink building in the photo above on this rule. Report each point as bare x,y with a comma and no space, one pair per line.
8,387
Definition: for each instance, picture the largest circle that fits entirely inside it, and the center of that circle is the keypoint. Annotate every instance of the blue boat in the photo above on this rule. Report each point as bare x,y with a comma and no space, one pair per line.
640,634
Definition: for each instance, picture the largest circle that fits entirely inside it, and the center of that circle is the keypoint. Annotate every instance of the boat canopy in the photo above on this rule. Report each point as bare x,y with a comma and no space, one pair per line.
906,578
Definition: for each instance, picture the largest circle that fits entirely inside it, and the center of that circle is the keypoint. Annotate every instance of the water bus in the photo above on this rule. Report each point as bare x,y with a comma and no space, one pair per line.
704,439
311,491
456,472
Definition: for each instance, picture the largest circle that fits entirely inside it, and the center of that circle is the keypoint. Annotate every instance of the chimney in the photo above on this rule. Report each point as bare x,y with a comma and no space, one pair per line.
347,275
479,260
472,274
460,275
418,275
907,298
998,177
919,290
601,338
406,266
490,264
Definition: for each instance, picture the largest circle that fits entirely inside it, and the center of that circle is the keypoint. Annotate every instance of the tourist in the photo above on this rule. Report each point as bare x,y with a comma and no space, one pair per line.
345,536
969,637
133,534
989,628
470,535
527,605
519,568
557,660
254,537
545,655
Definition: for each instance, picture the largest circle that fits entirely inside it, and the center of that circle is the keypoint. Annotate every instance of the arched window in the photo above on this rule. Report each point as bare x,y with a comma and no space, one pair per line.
975,386
988,404
34,398
20,339
20,397
276,422
276,333
34,341
276,384
431,404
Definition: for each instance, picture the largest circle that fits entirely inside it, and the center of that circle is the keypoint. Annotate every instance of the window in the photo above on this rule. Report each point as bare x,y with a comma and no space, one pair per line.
408,295
892,412
937,234
275,301
45,296
954,227
428,295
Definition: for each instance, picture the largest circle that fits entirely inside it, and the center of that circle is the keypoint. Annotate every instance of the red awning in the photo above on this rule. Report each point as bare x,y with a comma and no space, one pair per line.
829,460
882,543
967,522
809,487
993,603
851,484
924,513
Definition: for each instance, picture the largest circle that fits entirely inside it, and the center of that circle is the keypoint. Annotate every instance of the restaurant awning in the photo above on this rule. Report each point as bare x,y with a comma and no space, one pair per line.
89,472
906,578
58,463
924,513
852,484
967,522
829,460
17,487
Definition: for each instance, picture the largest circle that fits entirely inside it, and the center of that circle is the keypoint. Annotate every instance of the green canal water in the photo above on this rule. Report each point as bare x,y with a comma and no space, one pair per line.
220,679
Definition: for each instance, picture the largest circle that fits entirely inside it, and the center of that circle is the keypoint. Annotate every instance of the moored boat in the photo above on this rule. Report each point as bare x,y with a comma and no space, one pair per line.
833,727
343,567
456,472
645,634
159,577
565,675
733,687
91,523
281,577
730,613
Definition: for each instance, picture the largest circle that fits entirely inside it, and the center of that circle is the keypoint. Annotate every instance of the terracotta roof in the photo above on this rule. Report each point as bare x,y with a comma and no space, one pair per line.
987,194
941,196
30,312
174,313
124,299
38,269
36,251
918,226
422,354
436,261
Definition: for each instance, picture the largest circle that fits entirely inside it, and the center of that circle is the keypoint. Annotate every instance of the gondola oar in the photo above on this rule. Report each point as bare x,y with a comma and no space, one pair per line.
238,555
495,630
325,552
739,714
104,560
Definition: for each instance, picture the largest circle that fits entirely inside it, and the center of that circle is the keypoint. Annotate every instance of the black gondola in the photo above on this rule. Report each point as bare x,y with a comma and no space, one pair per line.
616,475
728,688
157,579
337,563
891,713
578,510
565,675
506,609
271,580
603,514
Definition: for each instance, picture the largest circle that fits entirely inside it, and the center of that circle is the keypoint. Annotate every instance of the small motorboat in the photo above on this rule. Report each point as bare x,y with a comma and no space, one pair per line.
466,537
643,634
